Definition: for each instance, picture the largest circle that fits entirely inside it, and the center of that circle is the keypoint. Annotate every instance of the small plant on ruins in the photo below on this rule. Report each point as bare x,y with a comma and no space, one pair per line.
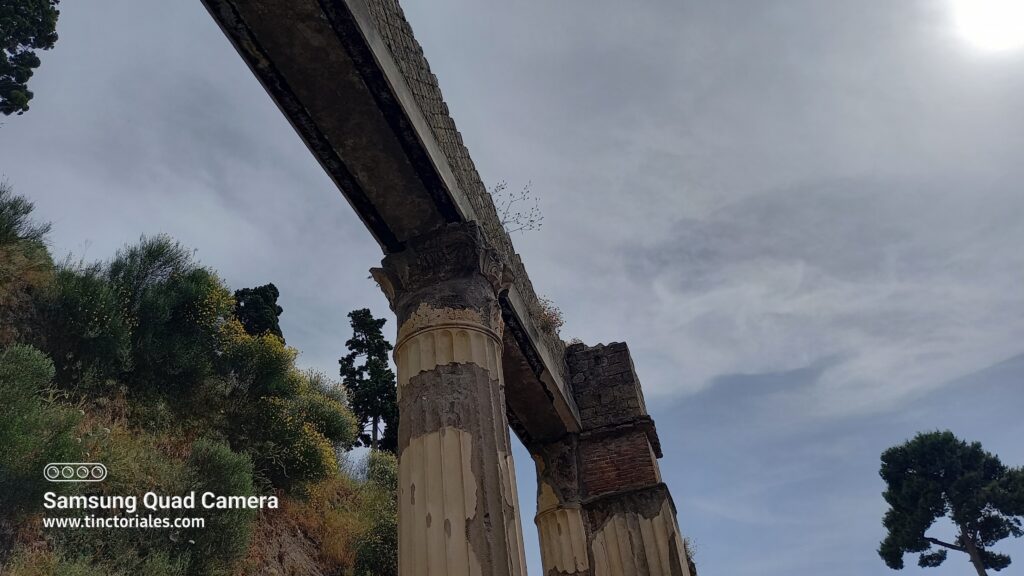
518,211
689,552
549,316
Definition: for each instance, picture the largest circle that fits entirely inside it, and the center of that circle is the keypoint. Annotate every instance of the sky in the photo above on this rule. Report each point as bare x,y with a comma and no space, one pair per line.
803,216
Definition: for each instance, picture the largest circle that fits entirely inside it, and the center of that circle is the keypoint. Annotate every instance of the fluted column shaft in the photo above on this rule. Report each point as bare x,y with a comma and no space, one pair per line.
561,522
458,506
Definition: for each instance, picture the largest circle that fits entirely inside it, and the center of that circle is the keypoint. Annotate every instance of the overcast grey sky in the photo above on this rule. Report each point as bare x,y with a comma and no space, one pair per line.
803,216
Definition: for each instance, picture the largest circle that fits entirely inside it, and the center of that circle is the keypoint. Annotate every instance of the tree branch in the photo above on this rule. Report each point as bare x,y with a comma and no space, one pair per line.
938,542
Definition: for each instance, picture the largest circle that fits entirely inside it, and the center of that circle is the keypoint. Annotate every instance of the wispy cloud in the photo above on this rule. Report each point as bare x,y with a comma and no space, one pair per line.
908,284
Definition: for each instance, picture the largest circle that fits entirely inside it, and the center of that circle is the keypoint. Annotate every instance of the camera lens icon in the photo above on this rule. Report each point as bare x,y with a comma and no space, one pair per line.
75,472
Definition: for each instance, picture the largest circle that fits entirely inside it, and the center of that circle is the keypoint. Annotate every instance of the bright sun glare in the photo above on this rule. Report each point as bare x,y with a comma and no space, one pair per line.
992,25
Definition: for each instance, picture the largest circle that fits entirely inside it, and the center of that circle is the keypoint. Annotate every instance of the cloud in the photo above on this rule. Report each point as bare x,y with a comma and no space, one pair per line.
908,284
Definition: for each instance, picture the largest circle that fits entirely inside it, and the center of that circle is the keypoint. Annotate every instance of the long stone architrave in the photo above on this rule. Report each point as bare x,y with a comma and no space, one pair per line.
472,359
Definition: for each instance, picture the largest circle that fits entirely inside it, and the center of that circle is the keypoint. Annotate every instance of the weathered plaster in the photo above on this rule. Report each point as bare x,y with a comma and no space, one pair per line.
466,398
437,500
459,511
432,337
560,520
635,544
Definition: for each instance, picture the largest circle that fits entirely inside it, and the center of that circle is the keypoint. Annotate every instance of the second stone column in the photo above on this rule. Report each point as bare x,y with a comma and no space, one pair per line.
458,505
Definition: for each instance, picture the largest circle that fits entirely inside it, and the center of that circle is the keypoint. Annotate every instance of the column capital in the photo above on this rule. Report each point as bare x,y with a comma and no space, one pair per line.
454,252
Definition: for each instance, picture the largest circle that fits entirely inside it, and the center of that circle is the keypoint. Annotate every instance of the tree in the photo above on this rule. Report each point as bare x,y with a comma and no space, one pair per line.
25,264
937,475
371,385
257,310
25,26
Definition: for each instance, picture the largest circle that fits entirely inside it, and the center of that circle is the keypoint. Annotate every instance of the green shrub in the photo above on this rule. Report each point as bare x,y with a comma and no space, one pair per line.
162,564
32,431
25,265
377,548
286,450
382,471
320,381
224,540
177,332
260,365
137,461
331,418
81,326
292,433
29,562
34,562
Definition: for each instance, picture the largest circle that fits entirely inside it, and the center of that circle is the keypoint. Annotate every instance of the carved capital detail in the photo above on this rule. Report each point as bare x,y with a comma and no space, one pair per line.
454,252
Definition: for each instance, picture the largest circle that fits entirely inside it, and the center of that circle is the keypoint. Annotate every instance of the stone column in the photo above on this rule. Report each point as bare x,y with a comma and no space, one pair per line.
628,511
561,523
458,506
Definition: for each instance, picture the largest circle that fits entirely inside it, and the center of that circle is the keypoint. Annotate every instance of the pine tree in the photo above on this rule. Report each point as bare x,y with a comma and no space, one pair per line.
936,475
371,382
25,26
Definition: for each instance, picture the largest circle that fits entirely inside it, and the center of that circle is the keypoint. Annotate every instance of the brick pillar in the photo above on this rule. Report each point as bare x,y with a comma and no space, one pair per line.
458,507
628,513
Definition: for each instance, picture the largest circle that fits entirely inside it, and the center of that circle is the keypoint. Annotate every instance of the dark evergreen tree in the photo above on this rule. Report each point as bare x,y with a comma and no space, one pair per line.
371,382
25,26
937,475
257,310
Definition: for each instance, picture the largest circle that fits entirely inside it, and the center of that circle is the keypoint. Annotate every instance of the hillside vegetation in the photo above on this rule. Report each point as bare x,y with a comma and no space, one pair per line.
139,362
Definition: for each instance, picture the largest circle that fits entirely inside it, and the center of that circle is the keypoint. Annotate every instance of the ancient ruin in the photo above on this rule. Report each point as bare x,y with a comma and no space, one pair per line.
472,358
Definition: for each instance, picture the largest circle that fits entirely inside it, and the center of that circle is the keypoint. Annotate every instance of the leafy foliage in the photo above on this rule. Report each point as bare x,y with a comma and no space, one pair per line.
377,553
258,311
259,365
35,562
141,363
25,264
936,475
32,431
81,325
25,26
279,416
371,384
224,540
138,461
15,222
175,310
